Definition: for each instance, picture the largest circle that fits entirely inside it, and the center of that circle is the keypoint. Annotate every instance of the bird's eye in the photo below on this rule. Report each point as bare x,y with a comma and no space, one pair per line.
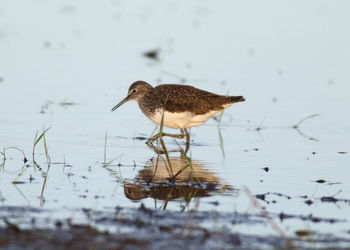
132,91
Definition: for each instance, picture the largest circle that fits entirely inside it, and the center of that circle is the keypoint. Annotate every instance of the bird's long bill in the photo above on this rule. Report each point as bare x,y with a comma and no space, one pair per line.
121,103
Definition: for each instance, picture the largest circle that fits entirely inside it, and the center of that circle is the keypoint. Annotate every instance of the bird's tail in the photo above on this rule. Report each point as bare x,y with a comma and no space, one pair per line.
237,99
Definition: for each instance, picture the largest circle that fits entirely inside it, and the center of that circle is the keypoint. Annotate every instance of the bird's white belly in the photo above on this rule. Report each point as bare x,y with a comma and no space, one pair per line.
181,119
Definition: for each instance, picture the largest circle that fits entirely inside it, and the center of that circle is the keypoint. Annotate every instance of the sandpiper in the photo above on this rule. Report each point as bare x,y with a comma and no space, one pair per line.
179,106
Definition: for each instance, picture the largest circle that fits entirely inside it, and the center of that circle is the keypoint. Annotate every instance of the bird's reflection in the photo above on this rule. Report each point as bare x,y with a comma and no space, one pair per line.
170,178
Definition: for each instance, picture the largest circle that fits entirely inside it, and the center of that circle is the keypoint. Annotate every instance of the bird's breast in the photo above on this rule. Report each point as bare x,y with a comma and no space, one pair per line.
179,119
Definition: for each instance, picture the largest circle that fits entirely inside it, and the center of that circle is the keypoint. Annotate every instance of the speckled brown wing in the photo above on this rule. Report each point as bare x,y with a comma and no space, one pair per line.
181,98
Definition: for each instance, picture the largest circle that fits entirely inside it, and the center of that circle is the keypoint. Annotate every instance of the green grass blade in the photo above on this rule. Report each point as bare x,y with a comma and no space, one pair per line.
46,149
36,141
40,136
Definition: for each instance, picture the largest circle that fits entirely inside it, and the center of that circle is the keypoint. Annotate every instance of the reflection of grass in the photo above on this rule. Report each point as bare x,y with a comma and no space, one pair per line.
297,126
161,127
48,166
304,119
42,199
3,158
218,118
187,163
3,154
221,141
168,166
20,150
21,194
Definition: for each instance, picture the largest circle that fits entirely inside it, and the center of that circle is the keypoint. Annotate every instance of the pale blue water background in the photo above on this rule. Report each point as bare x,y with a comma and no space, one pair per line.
289,59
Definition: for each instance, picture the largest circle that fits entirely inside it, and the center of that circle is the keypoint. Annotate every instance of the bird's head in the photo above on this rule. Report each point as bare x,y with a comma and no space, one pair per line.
136,91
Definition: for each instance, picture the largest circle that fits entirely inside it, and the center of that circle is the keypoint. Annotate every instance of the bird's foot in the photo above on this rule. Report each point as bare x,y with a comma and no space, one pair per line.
155,137
184,133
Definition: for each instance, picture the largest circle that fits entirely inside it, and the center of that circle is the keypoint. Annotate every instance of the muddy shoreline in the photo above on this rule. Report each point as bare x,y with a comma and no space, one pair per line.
144,228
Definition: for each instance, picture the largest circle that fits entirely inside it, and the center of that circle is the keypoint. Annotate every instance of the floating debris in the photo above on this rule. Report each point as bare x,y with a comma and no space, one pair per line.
152,54
302,232
309,202
141,138
65,102
18,182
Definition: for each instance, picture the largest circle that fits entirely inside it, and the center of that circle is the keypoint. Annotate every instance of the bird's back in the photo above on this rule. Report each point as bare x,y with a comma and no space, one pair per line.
181,98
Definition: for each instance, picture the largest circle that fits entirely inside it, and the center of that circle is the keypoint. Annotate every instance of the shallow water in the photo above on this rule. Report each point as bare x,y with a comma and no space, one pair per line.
288,60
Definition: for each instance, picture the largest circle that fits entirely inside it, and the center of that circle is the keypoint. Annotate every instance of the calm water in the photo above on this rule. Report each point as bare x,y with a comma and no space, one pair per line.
289,60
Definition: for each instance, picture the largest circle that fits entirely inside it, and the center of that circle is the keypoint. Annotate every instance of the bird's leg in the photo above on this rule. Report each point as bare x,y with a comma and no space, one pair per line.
178,136
187,134
155,137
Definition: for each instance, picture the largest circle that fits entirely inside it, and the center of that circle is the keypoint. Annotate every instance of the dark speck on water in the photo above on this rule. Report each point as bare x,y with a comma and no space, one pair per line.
260,196
141,138
152,54
309,202
58,224
329,199
214,203
266,169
